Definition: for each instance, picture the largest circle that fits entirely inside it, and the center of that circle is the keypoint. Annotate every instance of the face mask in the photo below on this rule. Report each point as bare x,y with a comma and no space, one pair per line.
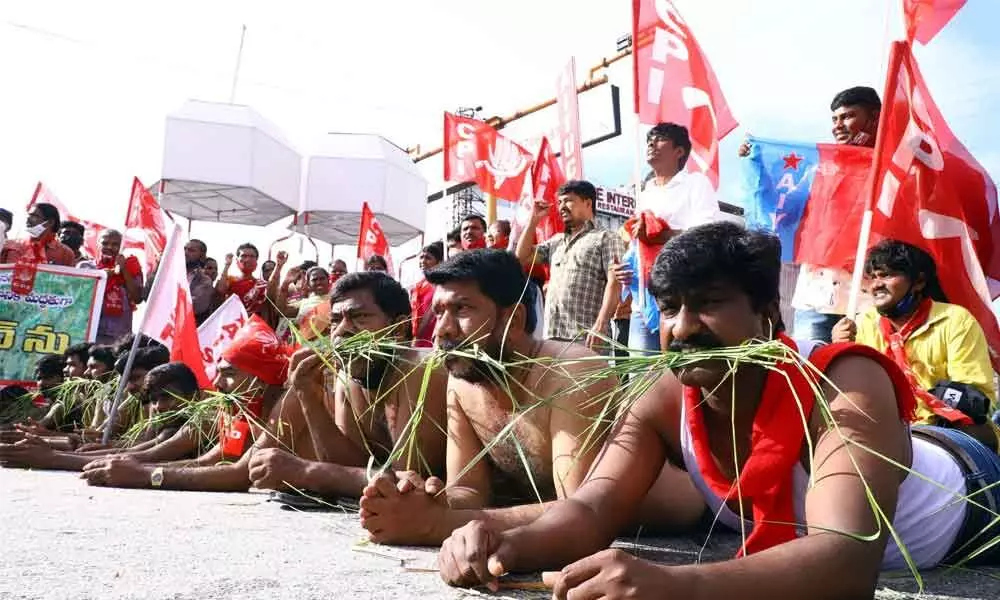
3,232
248,267
901,308
37,231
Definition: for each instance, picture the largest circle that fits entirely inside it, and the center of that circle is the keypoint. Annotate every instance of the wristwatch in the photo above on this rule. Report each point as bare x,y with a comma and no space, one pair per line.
156,477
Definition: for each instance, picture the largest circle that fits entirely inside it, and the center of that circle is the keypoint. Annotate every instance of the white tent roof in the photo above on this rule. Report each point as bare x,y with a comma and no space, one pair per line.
226,163
350,169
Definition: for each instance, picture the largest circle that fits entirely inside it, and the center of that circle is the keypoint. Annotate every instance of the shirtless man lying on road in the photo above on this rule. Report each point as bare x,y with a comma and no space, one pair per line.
323,444
478,301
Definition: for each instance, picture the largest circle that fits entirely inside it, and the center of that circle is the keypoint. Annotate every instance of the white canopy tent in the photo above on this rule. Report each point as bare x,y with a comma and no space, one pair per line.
226,163
350,169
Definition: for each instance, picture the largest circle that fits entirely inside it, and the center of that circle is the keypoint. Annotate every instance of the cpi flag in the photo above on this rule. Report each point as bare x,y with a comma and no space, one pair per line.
371,238
169,317
502,165
674,82
929,191
460,153
568,109
145,225
218,331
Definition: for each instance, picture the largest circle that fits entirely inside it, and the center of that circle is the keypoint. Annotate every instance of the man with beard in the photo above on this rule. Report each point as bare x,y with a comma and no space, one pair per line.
375,405
582,293
783,448
166,388
71,234
250,290
122,291
539,410
473,232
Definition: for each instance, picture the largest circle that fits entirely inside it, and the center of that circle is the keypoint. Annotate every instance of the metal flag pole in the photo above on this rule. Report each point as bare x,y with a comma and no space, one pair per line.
239,61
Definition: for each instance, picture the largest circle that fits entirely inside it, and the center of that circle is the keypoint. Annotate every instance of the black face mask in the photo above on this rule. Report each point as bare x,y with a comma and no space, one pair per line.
902,308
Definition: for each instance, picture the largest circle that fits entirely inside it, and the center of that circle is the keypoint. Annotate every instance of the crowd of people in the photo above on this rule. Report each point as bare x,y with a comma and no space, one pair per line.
508,424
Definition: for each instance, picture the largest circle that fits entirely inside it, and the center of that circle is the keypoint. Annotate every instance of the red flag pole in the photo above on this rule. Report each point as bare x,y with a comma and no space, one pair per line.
888,95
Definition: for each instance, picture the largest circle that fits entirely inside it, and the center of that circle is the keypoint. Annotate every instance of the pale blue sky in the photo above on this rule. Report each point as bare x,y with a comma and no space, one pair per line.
87,85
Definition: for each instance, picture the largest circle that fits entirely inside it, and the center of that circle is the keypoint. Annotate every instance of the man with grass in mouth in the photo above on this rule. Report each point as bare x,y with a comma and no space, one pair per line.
753,439
523,414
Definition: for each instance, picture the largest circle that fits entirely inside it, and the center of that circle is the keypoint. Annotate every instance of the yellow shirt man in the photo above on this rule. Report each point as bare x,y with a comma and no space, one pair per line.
949,346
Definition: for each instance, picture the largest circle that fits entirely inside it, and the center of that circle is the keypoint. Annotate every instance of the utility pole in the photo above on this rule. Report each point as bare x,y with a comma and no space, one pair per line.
462,201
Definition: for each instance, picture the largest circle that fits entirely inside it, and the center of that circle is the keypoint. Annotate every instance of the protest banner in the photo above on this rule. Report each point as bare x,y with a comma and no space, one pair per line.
218,331
62,309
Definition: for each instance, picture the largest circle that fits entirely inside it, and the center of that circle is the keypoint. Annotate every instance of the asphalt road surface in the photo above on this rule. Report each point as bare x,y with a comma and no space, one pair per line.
62,540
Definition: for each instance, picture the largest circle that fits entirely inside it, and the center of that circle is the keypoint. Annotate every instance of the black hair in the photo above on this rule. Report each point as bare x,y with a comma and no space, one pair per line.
49,365
325,273
209,259
861,95
146,358
474,217
503,225
376,261
81,351
77,227
307,264
390,297
678,136
435,249
895,256
248,246
7,217
497,273
12,393
175,375
268,262
455,235
104,355
581,188
201,245
50,213
717,251
124,343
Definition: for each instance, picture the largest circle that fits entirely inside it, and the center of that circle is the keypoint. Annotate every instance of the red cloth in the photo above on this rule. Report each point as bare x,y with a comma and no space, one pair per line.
655,226
251,292
474,244
423,318
925,18
896,350
257,351
115,294
234,430
929,191
766,478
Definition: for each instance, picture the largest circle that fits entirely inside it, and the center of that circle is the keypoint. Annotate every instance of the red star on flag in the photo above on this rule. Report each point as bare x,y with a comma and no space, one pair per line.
792,161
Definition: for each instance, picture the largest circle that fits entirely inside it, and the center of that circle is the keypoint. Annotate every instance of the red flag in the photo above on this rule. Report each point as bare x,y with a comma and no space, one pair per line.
460,151
929,191
371,238
568,109
925,18
674,82
91,231
546,177
502,165
145,225
169,317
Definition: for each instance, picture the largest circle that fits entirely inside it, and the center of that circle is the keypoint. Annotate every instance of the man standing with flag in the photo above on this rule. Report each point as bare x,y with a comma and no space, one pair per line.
675,199
123,290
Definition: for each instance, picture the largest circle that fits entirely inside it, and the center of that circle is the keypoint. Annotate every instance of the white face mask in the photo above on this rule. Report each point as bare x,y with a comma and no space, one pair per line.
37,231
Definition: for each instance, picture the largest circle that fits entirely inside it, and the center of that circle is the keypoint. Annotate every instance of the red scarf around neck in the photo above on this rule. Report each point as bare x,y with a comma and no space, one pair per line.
766,478
234,429
896,350
26,268
647,251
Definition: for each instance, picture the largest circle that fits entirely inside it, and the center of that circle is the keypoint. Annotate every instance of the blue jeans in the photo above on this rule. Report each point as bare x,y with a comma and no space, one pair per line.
982,480
812,325
641,341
